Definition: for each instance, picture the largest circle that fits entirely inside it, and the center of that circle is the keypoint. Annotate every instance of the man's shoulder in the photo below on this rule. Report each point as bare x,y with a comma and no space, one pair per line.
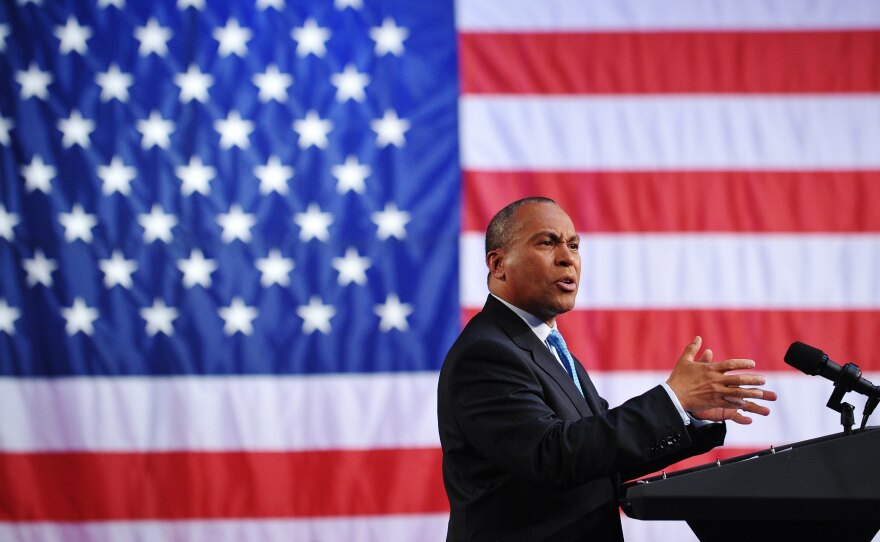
482,327
486,335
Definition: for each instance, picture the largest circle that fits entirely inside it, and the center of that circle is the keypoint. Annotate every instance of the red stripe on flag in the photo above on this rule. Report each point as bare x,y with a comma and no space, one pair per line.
639,340
177,485
669,62
687,201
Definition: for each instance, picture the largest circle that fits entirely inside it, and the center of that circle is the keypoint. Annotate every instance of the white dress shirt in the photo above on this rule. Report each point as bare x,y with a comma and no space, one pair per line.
542,331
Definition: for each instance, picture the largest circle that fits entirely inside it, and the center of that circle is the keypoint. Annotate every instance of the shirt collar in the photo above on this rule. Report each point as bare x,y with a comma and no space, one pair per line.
538,326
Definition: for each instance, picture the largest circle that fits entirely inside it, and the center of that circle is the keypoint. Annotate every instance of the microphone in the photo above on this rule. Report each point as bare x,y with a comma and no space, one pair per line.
813,361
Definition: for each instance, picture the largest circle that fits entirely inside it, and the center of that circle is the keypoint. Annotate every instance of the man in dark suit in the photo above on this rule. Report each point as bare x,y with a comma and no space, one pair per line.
530,450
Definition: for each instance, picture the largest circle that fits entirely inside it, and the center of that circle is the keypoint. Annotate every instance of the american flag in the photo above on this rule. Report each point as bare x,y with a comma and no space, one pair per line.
722,160
236,238
229,261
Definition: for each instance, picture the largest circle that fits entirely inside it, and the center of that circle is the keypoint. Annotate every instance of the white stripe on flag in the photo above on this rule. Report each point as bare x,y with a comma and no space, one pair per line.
422,527
672,132
298,413
563,15
217,414
821,271
799,413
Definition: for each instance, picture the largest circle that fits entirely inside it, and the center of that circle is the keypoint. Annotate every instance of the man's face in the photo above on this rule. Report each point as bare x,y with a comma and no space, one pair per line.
541,269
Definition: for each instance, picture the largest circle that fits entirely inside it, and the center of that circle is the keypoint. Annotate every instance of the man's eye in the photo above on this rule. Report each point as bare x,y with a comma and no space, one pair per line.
573,246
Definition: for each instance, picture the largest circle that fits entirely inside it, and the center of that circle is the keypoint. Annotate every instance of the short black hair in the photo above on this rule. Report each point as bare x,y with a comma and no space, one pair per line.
500,231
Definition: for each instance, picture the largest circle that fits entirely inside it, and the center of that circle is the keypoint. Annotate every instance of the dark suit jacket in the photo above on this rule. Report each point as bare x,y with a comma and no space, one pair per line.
525,456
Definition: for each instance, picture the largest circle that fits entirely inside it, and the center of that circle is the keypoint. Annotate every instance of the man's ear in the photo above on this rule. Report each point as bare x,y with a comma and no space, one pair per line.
495,262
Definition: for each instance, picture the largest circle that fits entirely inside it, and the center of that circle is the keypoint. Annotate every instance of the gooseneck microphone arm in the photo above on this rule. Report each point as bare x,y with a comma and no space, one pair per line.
848,377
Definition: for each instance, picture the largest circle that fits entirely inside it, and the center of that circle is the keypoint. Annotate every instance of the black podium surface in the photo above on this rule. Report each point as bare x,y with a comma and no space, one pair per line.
821,489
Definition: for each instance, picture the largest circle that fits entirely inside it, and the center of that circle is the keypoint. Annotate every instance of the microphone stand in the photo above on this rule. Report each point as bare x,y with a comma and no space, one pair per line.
869,408
849,376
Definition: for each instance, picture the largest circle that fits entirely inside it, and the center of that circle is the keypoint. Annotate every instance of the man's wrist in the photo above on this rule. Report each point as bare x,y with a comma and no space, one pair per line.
685,418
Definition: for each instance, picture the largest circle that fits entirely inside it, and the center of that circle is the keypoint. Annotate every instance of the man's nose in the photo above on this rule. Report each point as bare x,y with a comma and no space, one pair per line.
564,256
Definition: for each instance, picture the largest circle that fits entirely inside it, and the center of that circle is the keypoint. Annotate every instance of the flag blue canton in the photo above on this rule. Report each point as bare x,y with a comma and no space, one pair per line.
222,189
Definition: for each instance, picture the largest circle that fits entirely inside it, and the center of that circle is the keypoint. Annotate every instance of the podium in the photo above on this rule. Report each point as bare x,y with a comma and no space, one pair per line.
824,489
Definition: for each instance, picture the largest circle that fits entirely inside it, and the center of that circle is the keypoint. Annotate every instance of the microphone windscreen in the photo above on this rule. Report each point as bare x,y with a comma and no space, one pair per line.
805,358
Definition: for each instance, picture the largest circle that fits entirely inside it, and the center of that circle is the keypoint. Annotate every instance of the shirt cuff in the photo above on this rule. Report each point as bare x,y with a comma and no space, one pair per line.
685,417
681,412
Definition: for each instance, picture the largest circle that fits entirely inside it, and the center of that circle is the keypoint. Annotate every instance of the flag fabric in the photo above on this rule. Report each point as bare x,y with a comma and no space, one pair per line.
722,163
237,238
229,268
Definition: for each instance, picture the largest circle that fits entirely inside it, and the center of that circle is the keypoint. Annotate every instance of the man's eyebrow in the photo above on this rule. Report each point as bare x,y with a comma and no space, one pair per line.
555,236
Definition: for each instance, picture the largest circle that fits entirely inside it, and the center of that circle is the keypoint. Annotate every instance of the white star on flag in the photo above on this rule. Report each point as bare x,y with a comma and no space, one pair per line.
114,84
155,131
195,177
316,316
6,126
117,177
313,223
351,175
76,130
39,269
390,129
275,269
310,39
157,225
153,38
117,270
393,314
80,317
237,317
8,316
197,4
350,84
4,33
159,318
233,39
389,37
8,221
352,267
312,130
264,4
194,84
272,84
107,3
77,224
353,4
196,269
234,131
273,176
73,37
391,222
236,224
38,175
34,82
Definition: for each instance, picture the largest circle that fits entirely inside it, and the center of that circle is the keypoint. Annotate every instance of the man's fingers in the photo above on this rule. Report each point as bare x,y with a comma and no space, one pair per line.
746,393
743,380
706,357
691,350
755,408
740,419
733,365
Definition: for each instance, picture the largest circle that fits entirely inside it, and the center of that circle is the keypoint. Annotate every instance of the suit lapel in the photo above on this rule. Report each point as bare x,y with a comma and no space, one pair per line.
590,392
526,339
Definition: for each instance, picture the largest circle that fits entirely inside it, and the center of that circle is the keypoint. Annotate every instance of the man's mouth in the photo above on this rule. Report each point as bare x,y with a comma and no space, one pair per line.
568,284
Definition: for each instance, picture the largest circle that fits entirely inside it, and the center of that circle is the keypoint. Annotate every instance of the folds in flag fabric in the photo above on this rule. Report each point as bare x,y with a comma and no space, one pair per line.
722,161
228,246
237,238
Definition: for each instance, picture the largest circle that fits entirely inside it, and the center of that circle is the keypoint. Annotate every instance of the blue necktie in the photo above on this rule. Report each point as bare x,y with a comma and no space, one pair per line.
558,343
